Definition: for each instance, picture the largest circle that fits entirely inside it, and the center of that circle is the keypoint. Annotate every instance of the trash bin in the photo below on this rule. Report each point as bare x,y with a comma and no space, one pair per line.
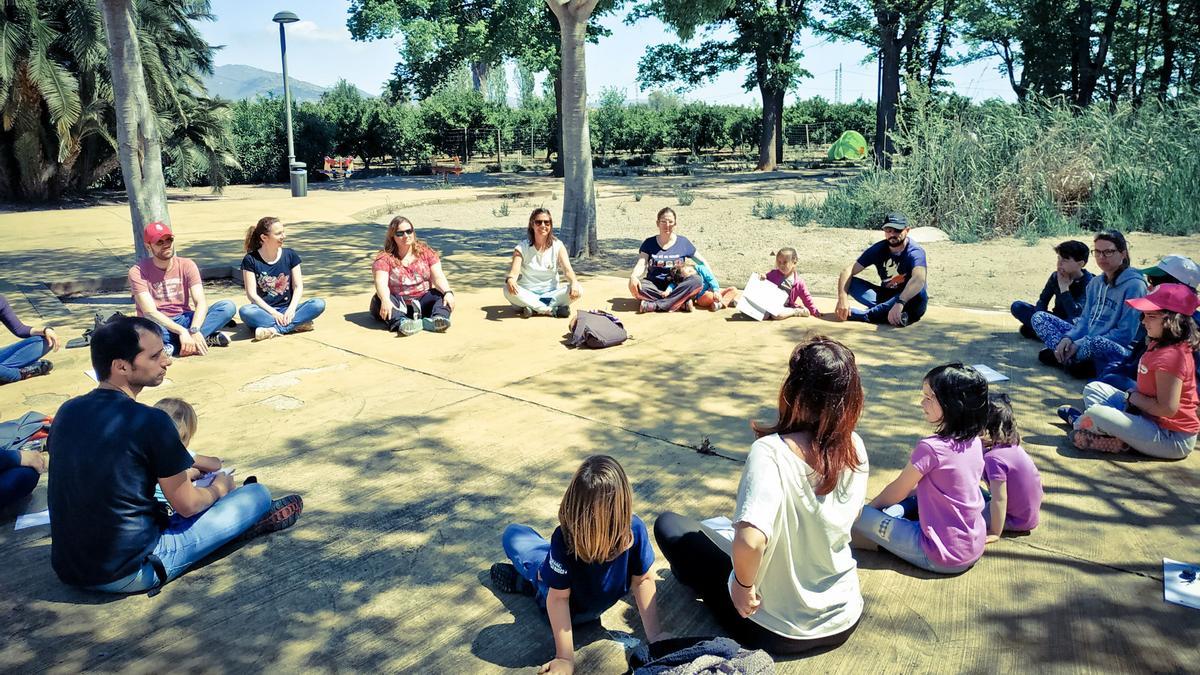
298,176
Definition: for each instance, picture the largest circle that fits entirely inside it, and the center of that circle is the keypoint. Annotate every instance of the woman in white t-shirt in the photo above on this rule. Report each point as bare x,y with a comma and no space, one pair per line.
532,284
786,581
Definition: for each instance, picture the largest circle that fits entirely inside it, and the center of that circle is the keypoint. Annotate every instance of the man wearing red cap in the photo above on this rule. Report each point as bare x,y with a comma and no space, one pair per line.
167,289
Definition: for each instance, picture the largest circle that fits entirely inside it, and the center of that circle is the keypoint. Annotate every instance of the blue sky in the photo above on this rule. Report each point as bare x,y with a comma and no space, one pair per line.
320,51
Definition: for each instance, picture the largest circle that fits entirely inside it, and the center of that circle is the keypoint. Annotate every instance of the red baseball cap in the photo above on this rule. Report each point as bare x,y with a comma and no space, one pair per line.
156,231
1171,297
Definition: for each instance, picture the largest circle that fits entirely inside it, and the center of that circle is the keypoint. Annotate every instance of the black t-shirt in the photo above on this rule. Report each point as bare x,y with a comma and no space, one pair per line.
109,452
663,260
274,280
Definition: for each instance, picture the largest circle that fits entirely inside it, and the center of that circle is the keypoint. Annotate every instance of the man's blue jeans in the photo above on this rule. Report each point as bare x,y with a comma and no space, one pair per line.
17,356
867,294
186,541
257,317
219,314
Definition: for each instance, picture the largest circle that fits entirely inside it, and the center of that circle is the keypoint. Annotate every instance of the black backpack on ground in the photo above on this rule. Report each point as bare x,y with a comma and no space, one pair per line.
596,329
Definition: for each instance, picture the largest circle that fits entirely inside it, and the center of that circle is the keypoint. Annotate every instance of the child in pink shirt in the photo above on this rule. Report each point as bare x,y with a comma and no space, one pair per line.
787,278
1012,478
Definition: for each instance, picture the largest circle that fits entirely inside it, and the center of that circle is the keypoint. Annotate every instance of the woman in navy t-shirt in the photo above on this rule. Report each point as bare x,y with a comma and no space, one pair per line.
271,275
657,257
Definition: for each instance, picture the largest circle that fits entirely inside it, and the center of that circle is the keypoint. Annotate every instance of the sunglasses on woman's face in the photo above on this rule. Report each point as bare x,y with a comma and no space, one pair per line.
404,233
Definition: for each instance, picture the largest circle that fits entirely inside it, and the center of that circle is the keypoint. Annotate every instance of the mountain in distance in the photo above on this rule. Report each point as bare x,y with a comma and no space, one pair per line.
237,82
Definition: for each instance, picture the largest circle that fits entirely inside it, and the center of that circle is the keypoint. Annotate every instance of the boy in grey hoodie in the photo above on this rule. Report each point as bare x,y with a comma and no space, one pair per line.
1106,327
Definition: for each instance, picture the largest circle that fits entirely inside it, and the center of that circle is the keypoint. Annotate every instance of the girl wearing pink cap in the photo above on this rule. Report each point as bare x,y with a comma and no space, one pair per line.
1157,417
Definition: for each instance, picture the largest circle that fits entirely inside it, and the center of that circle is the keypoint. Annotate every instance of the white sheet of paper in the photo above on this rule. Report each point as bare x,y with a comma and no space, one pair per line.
1175,589
207,479
989,373
32,519
760,298
92,374
720,531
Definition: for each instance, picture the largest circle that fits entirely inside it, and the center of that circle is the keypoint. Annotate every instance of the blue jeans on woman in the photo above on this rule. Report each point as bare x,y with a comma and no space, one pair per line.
186,541
15,357
16,481
1099,350
218,315
257,317
867,294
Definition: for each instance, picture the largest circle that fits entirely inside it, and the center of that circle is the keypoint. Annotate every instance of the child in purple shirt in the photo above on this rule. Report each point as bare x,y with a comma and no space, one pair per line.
787,278
944,471
1012,478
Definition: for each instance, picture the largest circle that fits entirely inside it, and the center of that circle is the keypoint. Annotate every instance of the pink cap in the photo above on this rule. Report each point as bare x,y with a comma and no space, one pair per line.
156,231
1171,297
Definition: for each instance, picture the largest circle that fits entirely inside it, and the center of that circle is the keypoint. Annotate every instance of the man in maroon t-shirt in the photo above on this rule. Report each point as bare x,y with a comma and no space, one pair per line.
167,289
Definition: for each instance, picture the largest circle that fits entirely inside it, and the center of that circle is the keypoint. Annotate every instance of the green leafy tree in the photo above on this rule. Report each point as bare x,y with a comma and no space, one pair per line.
764,38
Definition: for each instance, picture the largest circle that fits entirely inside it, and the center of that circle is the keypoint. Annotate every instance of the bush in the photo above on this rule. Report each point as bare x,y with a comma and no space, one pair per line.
637,195
1035,170
502,211
767,209
684,196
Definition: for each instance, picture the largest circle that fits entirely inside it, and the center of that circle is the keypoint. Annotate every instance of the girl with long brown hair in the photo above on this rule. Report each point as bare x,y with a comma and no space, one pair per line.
274,284
533,285
784,579
411,290
599,552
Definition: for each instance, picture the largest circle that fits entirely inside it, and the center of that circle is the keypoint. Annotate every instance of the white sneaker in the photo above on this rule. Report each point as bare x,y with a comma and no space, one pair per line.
261,334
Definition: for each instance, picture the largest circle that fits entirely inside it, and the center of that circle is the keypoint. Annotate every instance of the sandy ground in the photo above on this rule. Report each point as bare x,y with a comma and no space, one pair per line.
413,453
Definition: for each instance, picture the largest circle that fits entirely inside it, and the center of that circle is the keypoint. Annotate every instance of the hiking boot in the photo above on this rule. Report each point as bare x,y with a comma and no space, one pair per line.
1069,414
217,339
305,327
35,369
526,312
1027,331
438,324
1090,440
1046,356
283,514
407,326
506,579
562,311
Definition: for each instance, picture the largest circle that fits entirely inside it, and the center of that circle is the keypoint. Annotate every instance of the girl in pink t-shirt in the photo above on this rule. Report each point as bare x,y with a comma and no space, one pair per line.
949,532
787,278
1013,480
1157,417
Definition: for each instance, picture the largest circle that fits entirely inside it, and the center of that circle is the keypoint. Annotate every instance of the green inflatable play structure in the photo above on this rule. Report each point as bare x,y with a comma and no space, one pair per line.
851,145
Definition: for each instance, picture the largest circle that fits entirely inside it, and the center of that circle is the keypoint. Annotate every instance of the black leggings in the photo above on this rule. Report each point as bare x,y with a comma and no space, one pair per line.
432,304
697,562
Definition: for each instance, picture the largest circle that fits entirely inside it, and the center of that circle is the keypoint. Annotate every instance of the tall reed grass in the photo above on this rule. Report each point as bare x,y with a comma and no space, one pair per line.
1041,169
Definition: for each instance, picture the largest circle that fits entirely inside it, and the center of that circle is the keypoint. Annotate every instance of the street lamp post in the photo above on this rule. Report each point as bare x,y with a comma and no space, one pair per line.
297,174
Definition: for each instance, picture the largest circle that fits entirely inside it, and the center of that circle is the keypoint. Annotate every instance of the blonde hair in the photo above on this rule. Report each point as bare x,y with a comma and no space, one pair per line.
183,415
596,512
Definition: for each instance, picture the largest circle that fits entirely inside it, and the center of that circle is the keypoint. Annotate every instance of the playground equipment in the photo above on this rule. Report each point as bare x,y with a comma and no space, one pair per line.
338,168
850,145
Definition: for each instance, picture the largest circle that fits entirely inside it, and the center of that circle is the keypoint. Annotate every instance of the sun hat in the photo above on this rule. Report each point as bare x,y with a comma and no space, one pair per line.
1171,297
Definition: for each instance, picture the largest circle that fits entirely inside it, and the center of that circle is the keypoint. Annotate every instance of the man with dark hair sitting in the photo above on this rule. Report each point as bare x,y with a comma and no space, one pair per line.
108,531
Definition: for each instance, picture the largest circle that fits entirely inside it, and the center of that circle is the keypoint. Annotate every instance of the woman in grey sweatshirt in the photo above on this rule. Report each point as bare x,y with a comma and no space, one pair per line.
1106,327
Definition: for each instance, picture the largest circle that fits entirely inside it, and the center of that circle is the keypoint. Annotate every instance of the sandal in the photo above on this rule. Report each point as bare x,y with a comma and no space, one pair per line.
1090,440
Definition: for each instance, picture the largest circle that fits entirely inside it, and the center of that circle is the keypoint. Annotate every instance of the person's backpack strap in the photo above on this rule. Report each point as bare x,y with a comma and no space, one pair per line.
160,573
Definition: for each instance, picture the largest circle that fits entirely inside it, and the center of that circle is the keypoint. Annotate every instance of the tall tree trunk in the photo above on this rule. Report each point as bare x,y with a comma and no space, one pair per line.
943,41
1168,49
889,87
771,140
479,76
138,143
1087,67
579,191
554,143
